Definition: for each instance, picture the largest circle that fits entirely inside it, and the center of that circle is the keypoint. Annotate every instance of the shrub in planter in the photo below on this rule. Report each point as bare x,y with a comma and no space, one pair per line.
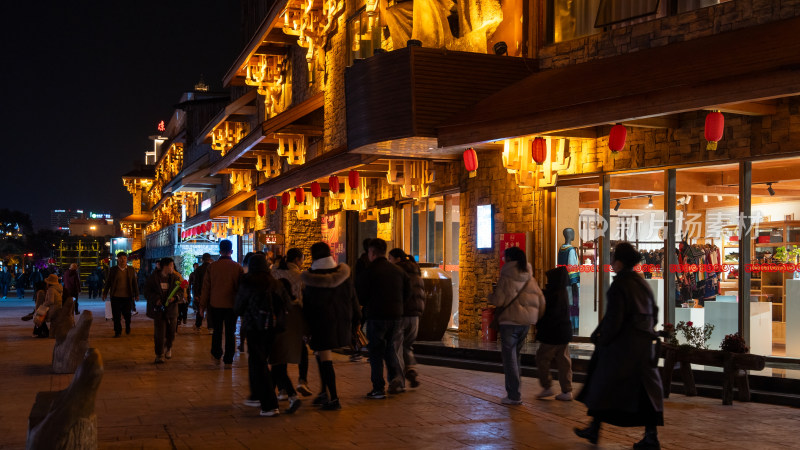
734,343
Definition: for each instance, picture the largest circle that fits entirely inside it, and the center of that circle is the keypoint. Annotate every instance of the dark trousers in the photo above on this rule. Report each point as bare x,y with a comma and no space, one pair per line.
4,289
68,294
183,312
302,368
223,317
198,319
382,334
258,346
163,333
121,307
280,375
20,292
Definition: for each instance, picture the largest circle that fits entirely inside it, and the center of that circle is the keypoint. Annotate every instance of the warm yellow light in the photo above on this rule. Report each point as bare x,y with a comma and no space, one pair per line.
92,227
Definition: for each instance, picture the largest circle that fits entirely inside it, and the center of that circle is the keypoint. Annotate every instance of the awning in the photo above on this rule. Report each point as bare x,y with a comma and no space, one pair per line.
321,166
276,124
224,207
239,107
750,64
137,218
193,178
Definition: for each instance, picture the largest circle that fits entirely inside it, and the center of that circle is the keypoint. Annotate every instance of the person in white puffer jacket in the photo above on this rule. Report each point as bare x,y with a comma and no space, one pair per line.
520,304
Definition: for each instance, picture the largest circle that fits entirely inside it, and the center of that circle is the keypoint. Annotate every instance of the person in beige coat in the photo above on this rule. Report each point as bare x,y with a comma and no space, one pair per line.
519,303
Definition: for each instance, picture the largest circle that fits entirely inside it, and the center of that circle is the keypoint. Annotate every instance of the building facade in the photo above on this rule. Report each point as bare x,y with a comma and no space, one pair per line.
673,125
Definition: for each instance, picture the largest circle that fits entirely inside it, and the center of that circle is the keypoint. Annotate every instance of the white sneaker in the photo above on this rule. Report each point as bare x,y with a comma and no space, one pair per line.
271,413
508,401
545,393
282,396
168,355
564,396
252,402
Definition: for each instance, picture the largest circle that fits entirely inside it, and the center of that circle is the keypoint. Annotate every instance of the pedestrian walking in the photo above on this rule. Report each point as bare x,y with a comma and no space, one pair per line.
220,284
72,284
384,289
519,303
191,294
260,299
123,288
91,284
623,385
197,289
22,283
5,281
288,269
413,307
163,291
554,332
332,312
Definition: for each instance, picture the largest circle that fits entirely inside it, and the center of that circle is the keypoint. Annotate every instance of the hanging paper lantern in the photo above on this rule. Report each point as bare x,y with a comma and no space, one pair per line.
353,179
616,138
299,195
333,184
273,203
316,191
262,209
286,197
539,150
470,160
715,125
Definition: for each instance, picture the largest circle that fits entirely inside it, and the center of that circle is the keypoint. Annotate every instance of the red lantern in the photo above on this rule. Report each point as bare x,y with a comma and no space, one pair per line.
539,150
470,160
616,138
286,197
299,195
262,209
273,203
715,125
333,184
353,179
316,191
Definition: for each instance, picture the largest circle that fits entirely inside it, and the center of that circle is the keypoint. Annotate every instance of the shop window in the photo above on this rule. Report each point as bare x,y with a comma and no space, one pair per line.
363,35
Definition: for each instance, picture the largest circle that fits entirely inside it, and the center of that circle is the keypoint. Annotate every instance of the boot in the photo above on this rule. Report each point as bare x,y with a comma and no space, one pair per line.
590,433
649,441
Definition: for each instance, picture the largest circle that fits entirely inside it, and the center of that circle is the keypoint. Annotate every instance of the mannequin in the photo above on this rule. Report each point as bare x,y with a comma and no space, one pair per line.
568,256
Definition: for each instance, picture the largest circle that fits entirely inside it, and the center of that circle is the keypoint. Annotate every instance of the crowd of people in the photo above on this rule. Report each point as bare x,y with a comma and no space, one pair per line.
285,310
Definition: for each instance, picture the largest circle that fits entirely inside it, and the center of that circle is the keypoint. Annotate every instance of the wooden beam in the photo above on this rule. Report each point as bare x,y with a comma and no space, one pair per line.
271,49
654,122
575,133
306,130
763,108
277,36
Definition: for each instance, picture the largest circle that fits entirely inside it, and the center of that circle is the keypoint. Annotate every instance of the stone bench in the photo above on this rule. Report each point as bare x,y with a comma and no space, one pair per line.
71,344
66,419
63,319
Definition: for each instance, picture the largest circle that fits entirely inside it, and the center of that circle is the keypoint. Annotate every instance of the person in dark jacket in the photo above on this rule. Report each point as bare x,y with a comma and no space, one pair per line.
554,331
197,288
623,386
124,290
332,312
163,307
259,298
383,291
413,307
72,284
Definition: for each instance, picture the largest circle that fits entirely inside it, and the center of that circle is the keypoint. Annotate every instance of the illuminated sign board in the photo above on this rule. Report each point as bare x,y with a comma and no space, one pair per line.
59,210
485,231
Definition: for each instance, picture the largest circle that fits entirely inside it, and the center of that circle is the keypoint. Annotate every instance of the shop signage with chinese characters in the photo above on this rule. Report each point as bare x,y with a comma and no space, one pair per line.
508,240
271,239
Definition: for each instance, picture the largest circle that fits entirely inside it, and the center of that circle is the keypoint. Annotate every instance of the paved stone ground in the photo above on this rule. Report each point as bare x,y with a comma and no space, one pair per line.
190,403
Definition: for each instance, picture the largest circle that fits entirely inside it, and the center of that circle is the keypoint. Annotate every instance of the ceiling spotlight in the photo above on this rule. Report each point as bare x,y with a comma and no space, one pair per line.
616,207
719,198
500,48
650,202
769,189
705,199
687,199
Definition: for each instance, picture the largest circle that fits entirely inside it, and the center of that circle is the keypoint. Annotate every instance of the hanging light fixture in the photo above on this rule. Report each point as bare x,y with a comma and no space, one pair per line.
650,202
262,209
316,190
538,150
617,137
616,207
273,203
715,125
705,198
770,190
353,179
286,197
719,198
470,161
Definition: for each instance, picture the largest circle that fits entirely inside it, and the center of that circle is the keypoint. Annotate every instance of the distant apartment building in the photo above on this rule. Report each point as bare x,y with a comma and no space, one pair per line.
60,218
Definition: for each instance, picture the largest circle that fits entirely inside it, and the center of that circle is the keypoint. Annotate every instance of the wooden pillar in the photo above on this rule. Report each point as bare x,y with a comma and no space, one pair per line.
669,246
745,245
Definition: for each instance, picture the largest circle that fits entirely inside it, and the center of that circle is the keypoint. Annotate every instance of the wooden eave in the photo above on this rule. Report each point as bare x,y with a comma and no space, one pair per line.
277,124
751,64
193,177
240,106
259,39
225,206
137,218
324,165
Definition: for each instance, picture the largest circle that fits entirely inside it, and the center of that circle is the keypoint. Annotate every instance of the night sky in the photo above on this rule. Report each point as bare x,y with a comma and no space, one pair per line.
85,83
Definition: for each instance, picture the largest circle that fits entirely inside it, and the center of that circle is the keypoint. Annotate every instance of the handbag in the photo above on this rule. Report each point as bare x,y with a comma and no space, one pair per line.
41,314
495,325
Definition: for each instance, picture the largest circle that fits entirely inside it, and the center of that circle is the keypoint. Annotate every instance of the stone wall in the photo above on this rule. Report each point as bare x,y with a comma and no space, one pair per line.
333,81
301,233
513,213
727,16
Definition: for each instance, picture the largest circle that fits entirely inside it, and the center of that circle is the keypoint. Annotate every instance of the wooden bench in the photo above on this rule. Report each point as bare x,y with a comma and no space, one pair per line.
734,369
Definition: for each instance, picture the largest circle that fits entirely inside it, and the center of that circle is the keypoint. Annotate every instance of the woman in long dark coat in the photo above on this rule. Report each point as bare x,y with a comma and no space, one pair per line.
623,387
